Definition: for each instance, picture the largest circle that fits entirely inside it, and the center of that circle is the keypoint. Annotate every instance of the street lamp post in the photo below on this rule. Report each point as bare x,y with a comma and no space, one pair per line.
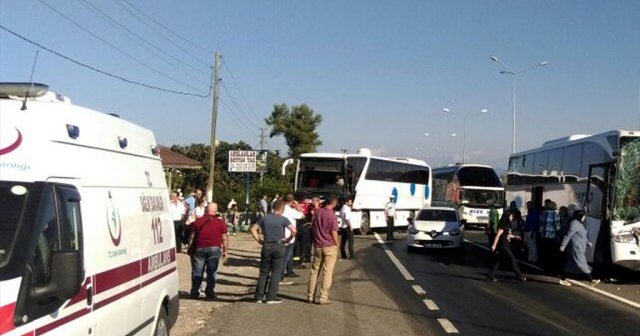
514,75
464,133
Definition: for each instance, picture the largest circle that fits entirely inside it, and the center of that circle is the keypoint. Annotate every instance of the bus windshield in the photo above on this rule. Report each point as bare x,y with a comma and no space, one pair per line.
627,188
480,197
13,197
478,177
321,174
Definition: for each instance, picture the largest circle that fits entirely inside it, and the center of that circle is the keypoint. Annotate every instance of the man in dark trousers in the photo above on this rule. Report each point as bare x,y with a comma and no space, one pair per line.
212,242
390,215
272,255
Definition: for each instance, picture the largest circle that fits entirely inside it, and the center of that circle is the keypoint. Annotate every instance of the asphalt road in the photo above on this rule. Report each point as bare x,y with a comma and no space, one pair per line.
372,297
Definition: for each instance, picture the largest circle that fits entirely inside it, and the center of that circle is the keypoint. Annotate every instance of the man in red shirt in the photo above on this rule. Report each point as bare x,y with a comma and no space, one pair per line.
325,249
212,242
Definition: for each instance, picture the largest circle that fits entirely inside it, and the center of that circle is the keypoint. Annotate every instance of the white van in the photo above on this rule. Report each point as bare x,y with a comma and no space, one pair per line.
87,246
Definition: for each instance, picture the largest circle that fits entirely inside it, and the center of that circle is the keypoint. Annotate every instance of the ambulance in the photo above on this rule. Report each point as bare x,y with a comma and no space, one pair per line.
87,244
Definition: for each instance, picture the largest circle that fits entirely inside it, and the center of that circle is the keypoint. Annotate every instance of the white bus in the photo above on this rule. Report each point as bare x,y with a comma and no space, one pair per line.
370,180
469,188
598,173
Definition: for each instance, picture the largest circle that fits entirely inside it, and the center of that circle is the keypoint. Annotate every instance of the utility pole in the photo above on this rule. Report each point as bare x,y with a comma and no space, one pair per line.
214,117
263,142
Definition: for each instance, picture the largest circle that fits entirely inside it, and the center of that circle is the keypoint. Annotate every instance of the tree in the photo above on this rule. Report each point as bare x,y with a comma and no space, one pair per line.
298,126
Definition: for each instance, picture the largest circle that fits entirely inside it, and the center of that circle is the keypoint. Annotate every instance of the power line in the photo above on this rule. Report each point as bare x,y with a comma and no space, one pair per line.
149,86
118,49
238,107
233,78
236,119
159,33
137,38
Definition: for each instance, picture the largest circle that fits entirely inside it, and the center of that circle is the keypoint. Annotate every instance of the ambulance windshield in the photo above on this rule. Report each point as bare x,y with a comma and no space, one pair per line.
13,197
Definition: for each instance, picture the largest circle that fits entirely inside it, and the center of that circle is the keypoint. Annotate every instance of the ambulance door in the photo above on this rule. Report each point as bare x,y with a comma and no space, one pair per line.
54,294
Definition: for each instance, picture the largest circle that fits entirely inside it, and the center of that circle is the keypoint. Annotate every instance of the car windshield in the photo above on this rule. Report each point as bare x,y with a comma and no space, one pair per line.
13,197
627,188
435,215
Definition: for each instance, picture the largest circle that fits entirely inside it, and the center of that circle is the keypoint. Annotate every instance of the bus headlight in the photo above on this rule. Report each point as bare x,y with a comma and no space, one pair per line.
625,239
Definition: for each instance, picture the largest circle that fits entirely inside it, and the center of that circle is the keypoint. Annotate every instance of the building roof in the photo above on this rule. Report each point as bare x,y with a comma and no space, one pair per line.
171,159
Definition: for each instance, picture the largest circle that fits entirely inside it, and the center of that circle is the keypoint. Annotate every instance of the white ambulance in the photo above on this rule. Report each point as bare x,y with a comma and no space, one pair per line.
87,245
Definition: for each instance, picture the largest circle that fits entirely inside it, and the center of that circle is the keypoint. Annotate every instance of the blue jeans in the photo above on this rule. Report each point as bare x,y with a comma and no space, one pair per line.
288,264
208,257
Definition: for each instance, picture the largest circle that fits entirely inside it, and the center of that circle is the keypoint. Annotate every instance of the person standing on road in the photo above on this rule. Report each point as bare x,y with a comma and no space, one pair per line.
263,207
272,255
531,231
501,250
576,238
325,250
178,211
211,245
346,231
549,233
494,219
390,215
293,215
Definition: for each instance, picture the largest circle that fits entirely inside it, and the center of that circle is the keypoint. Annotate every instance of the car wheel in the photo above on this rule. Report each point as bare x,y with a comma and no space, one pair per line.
162,325
364,224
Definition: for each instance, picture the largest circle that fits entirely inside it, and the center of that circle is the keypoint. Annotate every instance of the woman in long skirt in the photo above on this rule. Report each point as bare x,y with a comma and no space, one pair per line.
501,250
576,240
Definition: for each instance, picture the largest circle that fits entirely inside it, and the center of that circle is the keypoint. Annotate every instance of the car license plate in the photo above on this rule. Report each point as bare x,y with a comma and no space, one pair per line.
432,245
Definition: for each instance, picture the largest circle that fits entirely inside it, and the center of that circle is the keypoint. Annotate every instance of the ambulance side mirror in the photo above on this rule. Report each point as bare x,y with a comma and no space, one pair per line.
66,273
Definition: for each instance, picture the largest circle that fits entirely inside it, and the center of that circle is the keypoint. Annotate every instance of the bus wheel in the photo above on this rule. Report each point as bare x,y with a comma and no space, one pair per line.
364,224
162,325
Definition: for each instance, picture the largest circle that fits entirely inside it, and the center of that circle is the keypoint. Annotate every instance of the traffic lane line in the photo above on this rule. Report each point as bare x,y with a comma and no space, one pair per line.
447,326
418,289
575,282
430,304
407,276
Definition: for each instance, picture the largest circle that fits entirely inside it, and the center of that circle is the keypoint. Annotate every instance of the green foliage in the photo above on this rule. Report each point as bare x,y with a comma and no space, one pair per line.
227,185
627,203
298,126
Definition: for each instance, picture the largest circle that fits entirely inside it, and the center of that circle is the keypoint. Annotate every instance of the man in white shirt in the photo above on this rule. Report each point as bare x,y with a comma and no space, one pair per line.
346,231
178,211
390,215
293,215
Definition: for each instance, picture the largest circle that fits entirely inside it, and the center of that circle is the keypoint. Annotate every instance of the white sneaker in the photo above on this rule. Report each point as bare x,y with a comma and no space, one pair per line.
564,283
284,283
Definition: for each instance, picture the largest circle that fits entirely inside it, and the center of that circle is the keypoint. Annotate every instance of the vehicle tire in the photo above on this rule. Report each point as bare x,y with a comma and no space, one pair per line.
162,325
365,225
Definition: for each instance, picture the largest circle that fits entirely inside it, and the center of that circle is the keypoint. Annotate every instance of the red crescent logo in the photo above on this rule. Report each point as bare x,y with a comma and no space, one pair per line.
13,146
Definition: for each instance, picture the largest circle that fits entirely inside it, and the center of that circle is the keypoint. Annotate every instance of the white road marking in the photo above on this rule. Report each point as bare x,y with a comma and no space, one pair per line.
419,290
447,326
430,304
443,265
407,276
577,283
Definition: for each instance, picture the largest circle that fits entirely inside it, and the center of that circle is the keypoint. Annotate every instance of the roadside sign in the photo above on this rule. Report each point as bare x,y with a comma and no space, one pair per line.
247,161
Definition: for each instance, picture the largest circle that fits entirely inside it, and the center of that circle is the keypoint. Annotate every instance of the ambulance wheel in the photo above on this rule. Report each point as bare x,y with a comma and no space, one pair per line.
162,325
364,224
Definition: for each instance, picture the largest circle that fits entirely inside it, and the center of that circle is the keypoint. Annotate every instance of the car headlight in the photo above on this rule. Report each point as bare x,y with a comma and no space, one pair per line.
454,232
625,238
412,229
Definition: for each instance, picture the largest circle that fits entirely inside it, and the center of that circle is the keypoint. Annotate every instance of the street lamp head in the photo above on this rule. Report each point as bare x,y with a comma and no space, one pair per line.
493,58
543,63
484,111
426,134
446,109
453,134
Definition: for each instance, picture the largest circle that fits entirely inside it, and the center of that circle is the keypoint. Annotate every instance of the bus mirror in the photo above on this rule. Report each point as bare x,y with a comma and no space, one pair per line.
286,163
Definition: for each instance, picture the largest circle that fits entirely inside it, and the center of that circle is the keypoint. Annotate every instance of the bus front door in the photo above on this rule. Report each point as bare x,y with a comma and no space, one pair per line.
597,203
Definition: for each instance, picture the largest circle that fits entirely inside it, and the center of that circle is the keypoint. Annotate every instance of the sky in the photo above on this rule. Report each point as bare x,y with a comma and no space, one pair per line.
379,72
